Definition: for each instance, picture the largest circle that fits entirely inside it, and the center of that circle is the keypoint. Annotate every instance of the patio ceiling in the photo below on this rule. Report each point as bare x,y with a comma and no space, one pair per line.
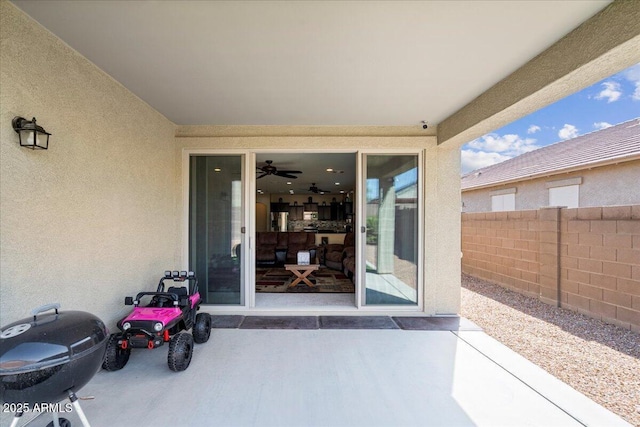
389,63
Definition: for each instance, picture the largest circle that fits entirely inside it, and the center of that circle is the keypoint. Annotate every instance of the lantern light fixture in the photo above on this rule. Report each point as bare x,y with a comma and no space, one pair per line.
30,134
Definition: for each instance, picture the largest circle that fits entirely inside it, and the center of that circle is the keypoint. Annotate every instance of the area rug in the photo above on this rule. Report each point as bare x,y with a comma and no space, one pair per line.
277,280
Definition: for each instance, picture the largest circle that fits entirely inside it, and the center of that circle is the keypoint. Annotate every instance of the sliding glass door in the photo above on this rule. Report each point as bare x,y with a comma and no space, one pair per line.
216,218
390,237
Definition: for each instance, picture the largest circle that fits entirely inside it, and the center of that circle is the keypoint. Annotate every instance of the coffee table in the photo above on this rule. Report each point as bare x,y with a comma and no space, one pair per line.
302,273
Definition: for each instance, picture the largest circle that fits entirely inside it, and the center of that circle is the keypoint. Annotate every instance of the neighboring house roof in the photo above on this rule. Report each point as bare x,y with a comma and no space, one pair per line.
615,144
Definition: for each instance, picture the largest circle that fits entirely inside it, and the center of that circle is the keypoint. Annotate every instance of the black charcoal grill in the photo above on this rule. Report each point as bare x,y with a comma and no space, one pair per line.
48,357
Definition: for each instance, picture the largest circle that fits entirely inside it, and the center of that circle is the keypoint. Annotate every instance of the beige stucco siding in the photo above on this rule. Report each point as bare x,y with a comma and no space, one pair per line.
92,219
610,185
442,230
100,214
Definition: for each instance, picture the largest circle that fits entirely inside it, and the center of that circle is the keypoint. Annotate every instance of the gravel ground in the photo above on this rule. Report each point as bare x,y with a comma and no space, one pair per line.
600,360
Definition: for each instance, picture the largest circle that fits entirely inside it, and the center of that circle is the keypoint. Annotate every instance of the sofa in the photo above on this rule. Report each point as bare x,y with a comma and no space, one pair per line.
342,257
276,247
266,244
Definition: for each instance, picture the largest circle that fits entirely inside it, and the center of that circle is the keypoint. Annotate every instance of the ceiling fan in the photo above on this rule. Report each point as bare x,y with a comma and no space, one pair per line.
269,169
316,190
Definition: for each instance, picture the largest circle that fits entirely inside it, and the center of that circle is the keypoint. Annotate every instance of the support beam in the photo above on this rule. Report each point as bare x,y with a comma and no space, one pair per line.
603,45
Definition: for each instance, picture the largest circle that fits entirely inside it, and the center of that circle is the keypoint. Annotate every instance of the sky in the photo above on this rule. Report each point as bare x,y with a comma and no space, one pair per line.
613,100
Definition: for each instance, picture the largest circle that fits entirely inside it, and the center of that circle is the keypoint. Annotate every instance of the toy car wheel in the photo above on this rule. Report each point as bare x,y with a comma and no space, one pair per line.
202,328
116,357
180,352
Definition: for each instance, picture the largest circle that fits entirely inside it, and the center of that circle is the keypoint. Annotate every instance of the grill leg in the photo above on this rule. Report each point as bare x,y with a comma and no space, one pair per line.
16,418
74,400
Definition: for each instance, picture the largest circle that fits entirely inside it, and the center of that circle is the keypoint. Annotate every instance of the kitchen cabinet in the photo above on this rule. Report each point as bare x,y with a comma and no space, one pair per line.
296,213
311,207
324,213
348,208
341,210
337,213
279,207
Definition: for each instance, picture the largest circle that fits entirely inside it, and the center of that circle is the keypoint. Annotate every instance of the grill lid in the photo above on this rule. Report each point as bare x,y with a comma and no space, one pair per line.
47,340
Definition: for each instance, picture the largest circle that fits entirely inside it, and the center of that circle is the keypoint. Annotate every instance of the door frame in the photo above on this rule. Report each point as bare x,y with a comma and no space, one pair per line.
246,276
361,231
249,186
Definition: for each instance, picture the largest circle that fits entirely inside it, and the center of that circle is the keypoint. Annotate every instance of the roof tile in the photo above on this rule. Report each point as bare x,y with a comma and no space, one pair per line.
621,141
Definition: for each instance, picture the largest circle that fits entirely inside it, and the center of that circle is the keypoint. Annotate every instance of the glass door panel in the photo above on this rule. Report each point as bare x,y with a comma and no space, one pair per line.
215,227
391,239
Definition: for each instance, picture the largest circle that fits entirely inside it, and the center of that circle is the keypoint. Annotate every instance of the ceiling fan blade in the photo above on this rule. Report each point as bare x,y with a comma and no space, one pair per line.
285,175
262,176
279,171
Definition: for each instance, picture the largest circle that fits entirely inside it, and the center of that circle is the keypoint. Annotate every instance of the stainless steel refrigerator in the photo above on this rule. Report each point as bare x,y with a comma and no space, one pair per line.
279,221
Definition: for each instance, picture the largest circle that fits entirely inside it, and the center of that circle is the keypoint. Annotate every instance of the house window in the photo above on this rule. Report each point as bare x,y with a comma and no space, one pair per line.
567,195
503,202
503,199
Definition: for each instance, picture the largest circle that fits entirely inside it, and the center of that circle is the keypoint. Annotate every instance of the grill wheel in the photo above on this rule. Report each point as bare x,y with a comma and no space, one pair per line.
62,422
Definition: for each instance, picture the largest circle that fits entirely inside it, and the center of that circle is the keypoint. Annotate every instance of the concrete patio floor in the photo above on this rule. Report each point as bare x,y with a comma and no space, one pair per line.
336,377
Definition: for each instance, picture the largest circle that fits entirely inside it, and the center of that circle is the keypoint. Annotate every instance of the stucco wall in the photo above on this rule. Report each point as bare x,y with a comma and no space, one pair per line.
100,214
93,218
442,195
603,186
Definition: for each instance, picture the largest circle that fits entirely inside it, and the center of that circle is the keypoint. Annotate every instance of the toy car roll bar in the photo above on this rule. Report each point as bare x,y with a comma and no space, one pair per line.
179,276
177,300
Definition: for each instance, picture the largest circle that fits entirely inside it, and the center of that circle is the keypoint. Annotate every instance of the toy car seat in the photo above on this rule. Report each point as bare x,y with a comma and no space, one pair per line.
178,290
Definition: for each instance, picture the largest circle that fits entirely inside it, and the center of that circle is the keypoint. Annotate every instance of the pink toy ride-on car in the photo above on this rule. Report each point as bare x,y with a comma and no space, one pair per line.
165,317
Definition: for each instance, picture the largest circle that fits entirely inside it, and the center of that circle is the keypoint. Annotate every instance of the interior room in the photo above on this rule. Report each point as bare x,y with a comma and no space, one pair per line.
313,242
305,202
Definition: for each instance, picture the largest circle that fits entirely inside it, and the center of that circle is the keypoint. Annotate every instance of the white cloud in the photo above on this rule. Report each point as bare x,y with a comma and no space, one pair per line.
602,125
493,148
472,160
511,145
533,129
568,131
633,75
611,91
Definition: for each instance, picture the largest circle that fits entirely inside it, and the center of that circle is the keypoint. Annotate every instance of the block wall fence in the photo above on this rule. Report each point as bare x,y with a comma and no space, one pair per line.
584,259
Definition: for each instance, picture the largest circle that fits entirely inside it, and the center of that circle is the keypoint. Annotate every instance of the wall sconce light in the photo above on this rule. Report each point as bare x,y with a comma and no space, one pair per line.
31,135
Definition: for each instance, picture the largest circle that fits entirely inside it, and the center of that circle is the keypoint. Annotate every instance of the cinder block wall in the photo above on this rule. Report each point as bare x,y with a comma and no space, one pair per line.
585,259
503,247
600,263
